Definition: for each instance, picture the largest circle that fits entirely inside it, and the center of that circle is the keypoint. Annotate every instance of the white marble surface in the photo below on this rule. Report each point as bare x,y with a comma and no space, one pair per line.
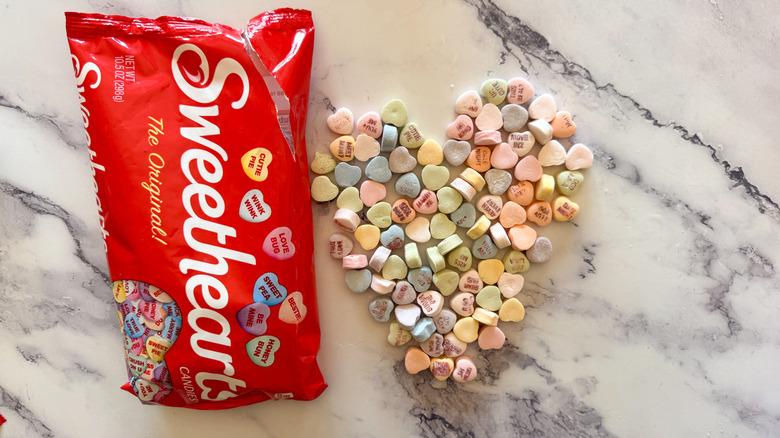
657,316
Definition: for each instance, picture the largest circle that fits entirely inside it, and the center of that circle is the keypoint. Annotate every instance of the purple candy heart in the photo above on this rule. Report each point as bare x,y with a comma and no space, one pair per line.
253,318
143,289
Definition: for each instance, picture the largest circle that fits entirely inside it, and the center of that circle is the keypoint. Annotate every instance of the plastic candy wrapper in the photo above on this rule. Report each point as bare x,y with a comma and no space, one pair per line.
196,138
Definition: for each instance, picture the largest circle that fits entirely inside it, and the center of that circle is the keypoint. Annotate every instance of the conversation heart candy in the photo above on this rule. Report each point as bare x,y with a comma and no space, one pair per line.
154,325
470,281
393,237
434,345
446,281
380,214
394,268
370,124
462,128
430,153
562,124
372,192
462,303
151,310
268,290
402,212
253,318
262,350
512,214
466,329
541,130
350,199
512,310
419,230
568,182
343,148
347,175
564,209
545,188
489,270
514,116
293,310
412,255
465,189
323,163
469,103
423,329
490,206
171,329
134,345
494,91
448,199
404,293
410,136
143,289
119,292
253,208
367,236
131,290
435,177
171,309
489,119
498,181
340,245
522,237
449,244
381,309
541,251
465,370
479,228
394,112
401,161
510,284
341,122
358,281
491,338
552,154
398,335
426,203
346,219
378,169
366,147
441,226
156,347
529,169
539,212
278,244
489,298
521,142
487,138
499,236
445,321
378,259
460,258
408,185
256,162
464,216
479,159
484,248
416,360
431,302
579,157
503,157
323,190
136,364
389,138
133,326
485,317
407,315
354,261
442,367
145,389
456,151
420,278
519,91
543,107
381,285
515,261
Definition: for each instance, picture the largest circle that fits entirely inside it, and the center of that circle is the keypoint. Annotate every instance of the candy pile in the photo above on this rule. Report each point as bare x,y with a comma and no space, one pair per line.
151,321
428,241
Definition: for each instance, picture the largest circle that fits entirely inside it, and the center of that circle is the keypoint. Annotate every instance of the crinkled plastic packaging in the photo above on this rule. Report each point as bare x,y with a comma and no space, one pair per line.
196,138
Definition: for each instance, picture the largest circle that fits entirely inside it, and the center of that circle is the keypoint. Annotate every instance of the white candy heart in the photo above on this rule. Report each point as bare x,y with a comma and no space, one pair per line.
341,122
407,315
490,118
469,103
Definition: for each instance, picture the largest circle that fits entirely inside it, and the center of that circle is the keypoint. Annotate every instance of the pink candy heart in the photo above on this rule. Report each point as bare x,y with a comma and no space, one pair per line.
278,244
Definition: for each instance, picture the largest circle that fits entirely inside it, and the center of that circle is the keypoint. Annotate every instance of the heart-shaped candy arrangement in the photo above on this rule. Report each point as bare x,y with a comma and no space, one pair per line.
446,254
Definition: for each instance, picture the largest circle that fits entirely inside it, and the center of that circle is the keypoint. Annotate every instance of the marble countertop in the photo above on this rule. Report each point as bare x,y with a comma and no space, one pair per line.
656,317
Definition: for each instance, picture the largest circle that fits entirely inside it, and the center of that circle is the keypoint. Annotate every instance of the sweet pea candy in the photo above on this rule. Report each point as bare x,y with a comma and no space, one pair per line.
323,163
444,321
366,147
487,138
474,178
541,130
489,298
435,259
491,338
499,235
522,237
579,157
490,205
380,214
441,226
489,270
465,189
479,228
510,284
462,303
469,103
452,346
411,137
464,216
479,159
323,190
423,329
341,122
358,281
343,148
564,209
449,199
498,181
416,360
404,293
412,255
354,261
389,138
519,91
466,329
494,91
539,212
401,161
420,278
398,336
541,251
462,128
347,220
483,248
485,317
552,154
456,151
521,142
543,107
446,281
367,236
350,199
521,193
372,192
426,203
394,268
562,124
381,285
503,157
393,237
407,315
465,370
568,182
381,309
378,169
529,169
515,262
514,117
512,310
435,177
408,185
394,113
512,214
460,258
347,175
442,367
370,124
434,345
419,230
402,212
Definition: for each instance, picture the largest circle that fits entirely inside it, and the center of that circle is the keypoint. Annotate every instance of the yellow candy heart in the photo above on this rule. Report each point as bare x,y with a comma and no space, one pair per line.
156,348
466,329
367,236
511,310
256,162
430,153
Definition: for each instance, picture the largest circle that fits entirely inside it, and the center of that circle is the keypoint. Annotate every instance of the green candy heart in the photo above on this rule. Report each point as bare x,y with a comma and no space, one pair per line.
515,261
394,268
350,199
411,137
379,215
435,177
442,226
323,190
489,298
568,182
460,258
394,113
449,199
261,350
446,281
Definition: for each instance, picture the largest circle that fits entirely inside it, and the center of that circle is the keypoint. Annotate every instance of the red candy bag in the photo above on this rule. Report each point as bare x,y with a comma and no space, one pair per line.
196,137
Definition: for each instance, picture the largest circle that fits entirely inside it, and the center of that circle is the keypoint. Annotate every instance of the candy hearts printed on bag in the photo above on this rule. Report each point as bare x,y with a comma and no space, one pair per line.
253,318
292,310
253,208
156,347
278,244
261,350
268,290
256,162
171,329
